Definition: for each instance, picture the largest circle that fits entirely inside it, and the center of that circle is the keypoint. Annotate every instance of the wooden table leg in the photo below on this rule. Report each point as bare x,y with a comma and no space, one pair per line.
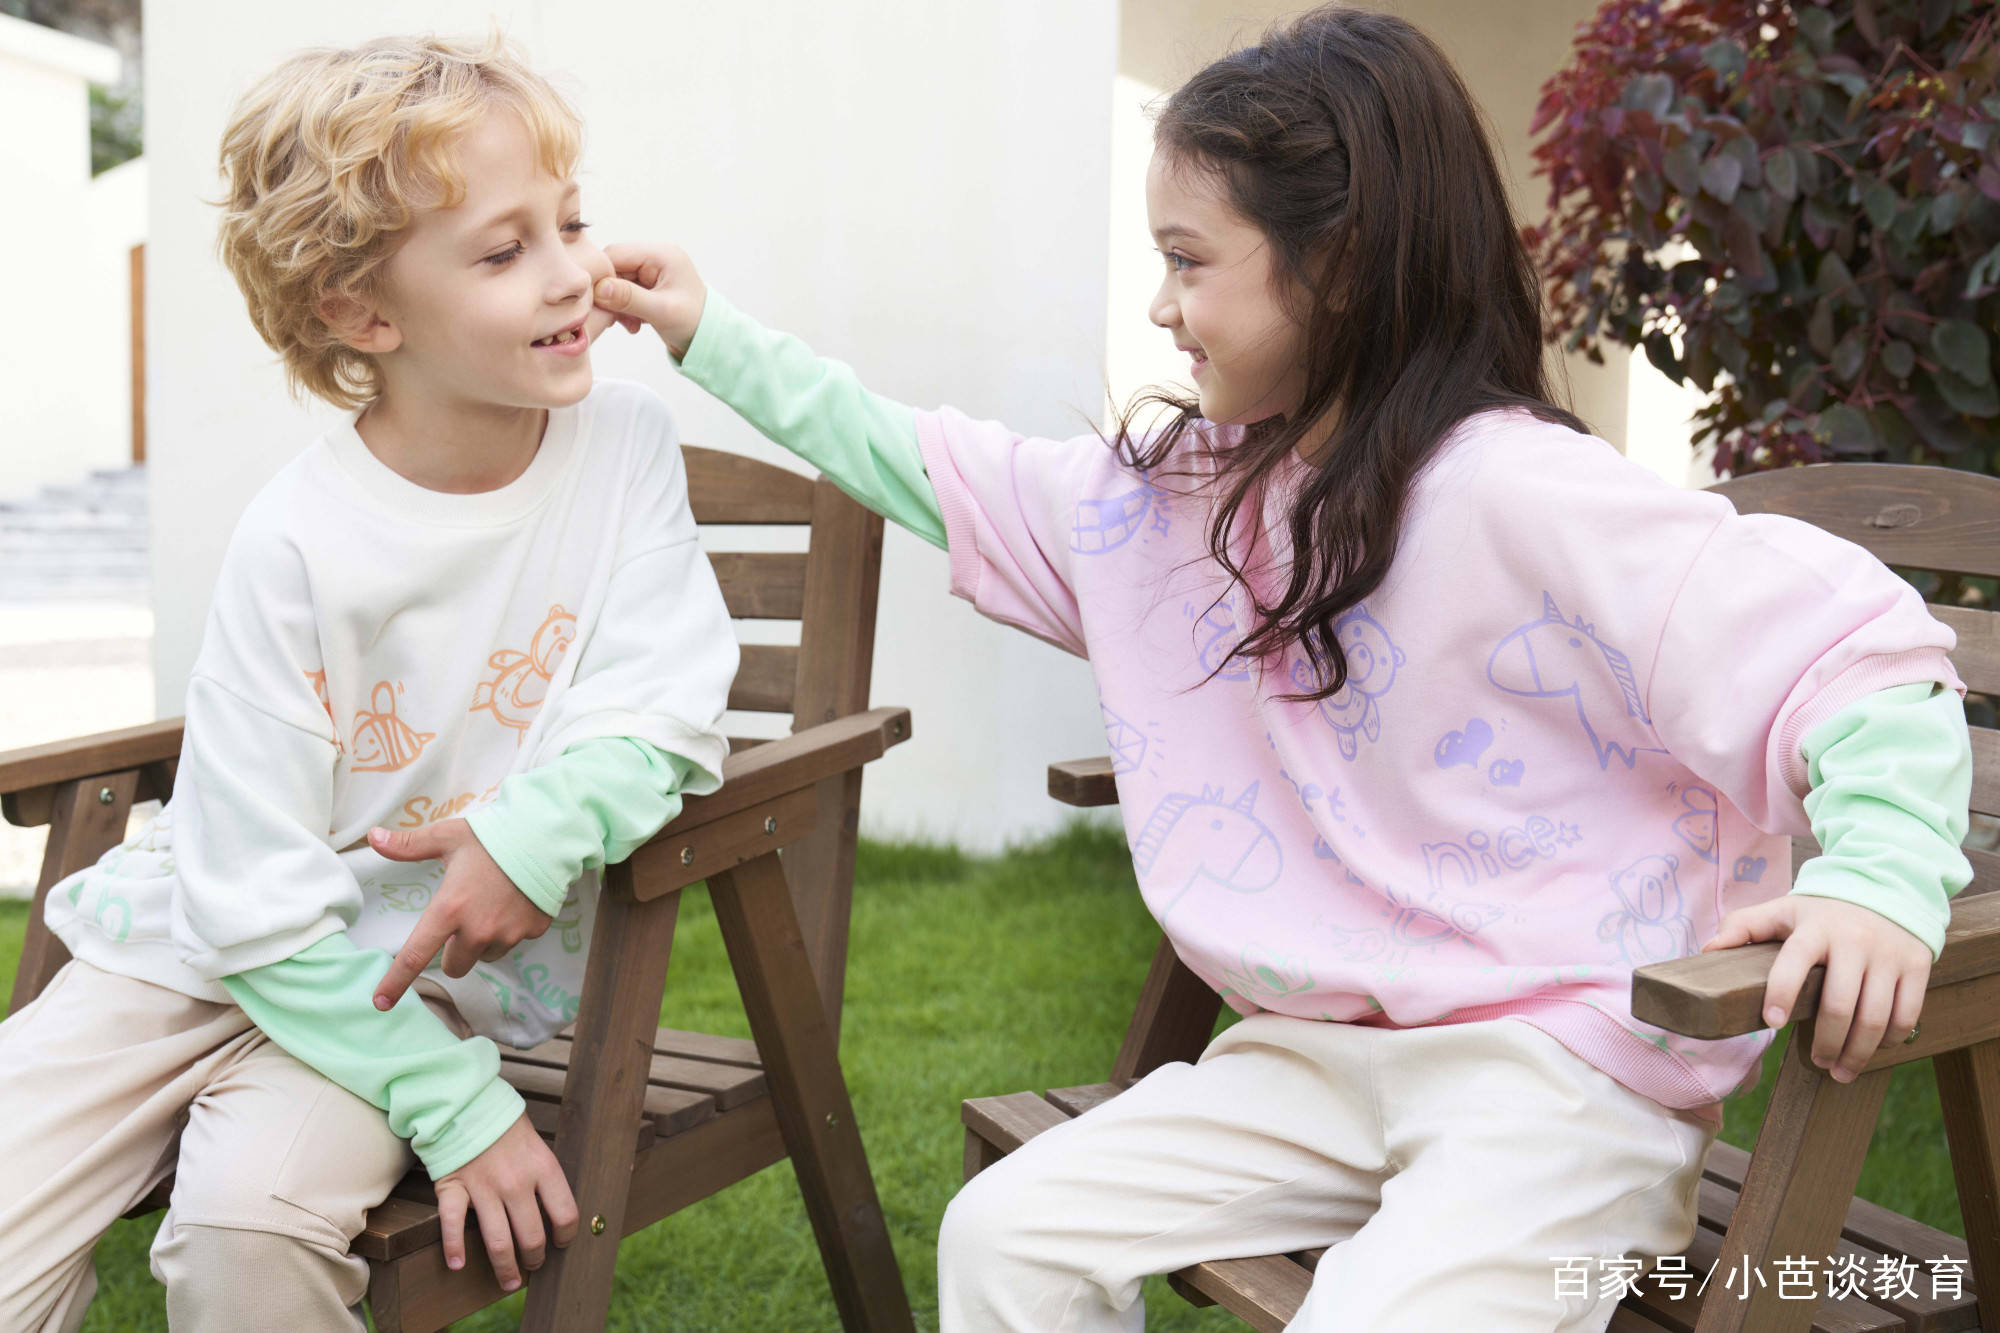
788,1018
603,1098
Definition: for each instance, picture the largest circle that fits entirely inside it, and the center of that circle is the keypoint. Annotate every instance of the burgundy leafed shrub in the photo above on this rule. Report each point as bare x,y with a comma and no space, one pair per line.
1795,206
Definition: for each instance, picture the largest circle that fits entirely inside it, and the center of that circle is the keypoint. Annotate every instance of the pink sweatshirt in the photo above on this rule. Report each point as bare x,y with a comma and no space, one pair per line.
1568,745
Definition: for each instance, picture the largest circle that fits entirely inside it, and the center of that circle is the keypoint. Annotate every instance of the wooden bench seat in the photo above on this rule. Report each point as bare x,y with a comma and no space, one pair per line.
1266,1291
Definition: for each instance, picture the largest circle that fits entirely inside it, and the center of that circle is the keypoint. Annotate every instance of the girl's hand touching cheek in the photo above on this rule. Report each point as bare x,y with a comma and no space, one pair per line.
655,284
1876,973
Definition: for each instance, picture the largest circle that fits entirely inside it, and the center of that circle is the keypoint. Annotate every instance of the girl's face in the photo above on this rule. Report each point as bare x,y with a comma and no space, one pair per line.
1219,299
474,291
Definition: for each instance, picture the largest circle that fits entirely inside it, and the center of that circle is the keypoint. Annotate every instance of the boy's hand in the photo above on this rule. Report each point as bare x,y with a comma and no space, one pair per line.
500,1187
1876,973
477,913
657,285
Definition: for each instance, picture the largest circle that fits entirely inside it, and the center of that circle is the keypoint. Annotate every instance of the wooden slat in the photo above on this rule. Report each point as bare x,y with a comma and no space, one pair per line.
729,488
1916,517
728,1085
1977,655
1703,1256
743,744
1721,994
1083,782
765,678
762,585
670,1109
1075,1101
1011,1120
1985,770
687,1168
795,761
1264,1292
760,930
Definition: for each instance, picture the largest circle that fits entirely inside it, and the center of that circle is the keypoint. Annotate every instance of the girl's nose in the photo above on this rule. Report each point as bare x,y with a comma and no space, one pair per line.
1165,310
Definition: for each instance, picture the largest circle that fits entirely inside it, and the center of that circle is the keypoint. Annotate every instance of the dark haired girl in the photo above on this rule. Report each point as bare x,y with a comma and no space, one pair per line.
1433,717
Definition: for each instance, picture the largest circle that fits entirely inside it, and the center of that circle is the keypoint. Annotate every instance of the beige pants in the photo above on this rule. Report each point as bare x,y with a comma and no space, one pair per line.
107,1085
1452,1169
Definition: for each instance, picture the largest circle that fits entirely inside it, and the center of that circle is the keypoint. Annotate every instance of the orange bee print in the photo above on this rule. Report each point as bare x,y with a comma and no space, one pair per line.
515,693
384,742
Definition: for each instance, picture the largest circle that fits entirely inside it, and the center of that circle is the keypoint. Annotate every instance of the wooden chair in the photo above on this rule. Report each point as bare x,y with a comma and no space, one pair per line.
647,1120
1794,1196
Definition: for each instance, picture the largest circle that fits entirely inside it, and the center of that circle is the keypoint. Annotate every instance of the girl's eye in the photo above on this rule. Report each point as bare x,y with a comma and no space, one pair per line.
1179,263
577,228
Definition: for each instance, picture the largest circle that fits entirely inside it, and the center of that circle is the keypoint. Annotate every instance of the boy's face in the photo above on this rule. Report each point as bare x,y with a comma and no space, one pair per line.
473,294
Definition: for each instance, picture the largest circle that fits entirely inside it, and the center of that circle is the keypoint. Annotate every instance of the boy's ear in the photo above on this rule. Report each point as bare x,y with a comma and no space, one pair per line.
359,324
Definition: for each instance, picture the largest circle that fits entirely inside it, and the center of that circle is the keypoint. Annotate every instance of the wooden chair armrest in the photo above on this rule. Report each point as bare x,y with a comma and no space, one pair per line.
769,799
1721,994
29,776
1083,782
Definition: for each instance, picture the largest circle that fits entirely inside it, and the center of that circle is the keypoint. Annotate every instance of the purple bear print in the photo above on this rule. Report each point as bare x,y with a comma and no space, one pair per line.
1651,924
1105,525
1202,840
1372,660
1556,658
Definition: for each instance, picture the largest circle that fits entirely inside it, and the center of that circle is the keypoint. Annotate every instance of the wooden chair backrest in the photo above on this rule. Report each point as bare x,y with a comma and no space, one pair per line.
85,788
1911,517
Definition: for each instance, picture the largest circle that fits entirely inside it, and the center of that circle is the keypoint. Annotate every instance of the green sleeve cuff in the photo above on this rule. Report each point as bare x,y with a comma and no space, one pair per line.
1891,778
819,410
592,806
442,1093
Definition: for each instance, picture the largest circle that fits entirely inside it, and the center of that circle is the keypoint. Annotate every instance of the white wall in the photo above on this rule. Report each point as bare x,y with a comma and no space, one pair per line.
64,383
917,188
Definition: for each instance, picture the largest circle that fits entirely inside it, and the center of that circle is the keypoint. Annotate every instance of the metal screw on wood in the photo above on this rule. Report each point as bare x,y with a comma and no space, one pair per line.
104,796
895,729
831,1120
687,856
597,1225
771,824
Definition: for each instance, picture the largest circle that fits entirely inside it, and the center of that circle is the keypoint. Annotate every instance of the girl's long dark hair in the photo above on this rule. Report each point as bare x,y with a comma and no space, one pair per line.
1349,140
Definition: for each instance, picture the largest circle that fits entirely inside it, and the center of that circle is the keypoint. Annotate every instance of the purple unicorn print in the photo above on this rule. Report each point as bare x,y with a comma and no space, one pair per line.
1556,658
1106,525
1202,840
1651,924
1372,660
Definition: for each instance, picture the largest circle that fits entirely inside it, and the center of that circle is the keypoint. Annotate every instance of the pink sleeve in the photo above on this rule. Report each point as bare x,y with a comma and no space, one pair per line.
1009,503
1776,627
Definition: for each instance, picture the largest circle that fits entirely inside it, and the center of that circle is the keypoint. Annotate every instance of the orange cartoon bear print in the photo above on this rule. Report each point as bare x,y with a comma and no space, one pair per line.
515,693
384,742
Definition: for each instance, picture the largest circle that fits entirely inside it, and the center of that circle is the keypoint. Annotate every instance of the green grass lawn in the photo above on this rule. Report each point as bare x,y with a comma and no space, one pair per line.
968,976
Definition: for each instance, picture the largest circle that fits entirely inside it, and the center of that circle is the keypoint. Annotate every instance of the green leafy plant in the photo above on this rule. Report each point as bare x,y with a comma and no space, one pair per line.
1795,206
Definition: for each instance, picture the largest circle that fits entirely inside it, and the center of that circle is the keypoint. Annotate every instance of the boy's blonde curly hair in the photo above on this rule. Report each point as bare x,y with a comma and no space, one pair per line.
333,154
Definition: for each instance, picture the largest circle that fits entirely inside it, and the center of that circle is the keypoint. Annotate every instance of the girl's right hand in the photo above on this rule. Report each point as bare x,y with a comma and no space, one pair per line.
656,284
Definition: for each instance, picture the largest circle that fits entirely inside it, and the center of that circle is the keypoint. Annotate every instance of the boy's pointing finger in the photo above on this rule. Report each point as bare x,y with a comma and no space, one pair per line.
433,928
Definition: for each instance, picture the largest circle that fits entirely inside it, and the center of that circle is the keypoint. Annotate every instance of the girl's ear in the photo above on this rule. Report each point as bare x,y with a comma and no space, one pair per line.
359,324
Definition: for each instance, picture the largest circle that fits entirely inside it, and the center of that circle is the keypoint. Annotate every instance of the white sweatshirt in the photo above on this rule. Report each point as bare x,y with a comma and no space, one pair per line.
379,653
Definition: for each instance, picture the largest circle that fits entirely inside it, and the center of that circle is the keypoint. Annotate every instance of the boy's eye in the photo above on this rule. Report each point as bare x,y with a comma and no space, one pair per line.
578,227
504,257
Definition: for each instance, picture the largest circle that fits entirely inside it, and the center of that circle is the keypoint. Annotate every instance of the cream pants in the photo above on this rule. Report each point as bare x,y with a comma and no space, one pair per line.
107,1085
1451,1169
